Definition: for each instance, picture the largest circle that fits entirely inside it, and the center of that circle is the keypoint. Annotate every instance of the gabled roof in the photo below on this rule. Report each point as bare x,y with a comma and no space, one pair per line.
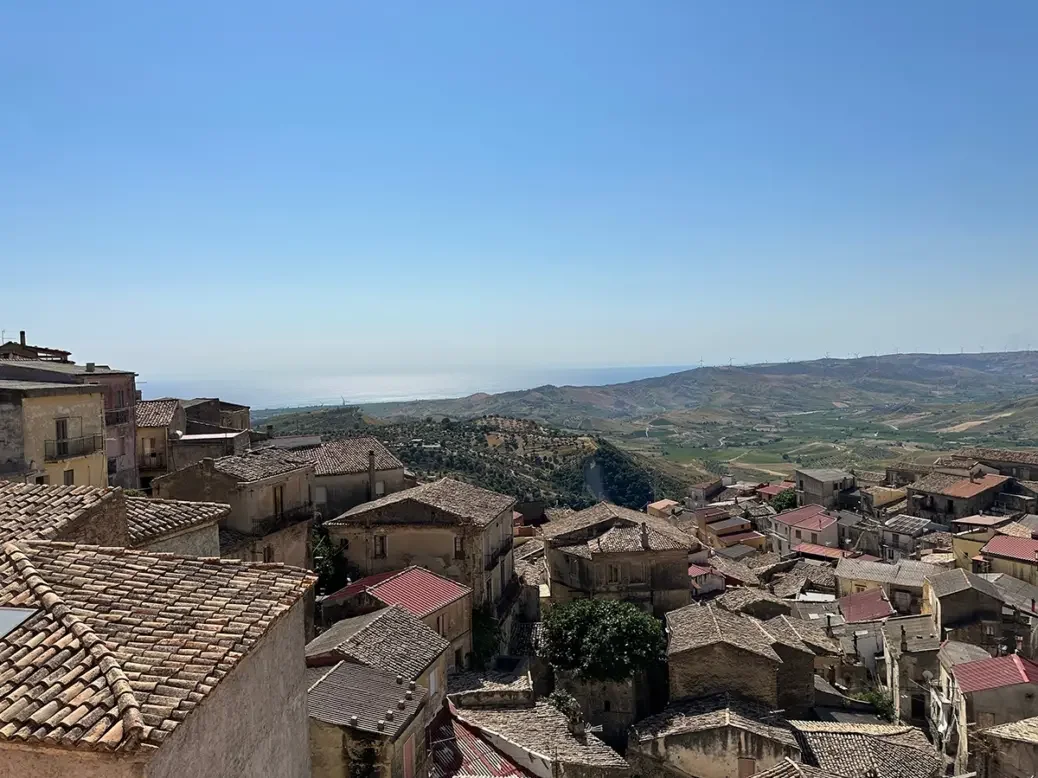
415,589
907,572
1015,593
717,711
125,644
260,464
390,639
739,599
787,768
983,520
869,605
954,652
796,633
955,486
606,515
809,517
958,580
868,750
995,673
733,569
339,457
920,633
462,501
149,519
1025,730
1029,457
696,626
156,413
383,703
1009,547
814,549
43,511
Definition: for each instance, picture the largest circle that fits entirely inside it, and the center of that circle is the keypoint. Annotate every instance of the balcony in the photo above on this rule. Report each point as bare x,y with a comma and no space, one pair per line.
155,460
117,416
494,558
66,448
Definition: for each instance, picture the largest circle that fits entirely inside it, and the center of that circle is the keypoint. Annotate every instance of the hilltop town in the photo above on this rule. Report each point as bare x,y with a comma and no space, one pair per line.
186,590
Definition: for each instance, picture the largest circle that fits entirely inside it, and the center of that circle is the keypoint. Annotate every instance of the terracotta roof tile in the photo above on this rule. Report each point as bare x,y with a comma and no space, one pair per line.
606,515
257,465
868,750
1029,457
809,517
716,711
156,413
995,673
1024,549
869,605
734,570
957,486
349,690
415,589
462,501
696,626
43,511
348,456
149,519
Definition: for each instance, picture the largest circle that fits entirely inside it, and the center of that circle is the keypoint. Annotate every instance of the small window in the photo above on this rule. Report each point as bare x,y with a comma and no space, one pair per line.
747,767
814,537
380,546
439,625
459,547
121,401
799,536
434,682
614,574
380,488
42,479
69,477
268,553
459,659
951,507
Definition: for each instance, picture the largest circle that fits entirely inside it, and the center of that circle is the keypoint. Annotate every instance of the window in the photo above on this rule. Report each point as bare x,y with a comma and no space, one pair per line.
459,659
434,682
268,554
149,446
70,477
61,436
380,546
459,547
439,625
279,501
895,539
120,399
606,706
814,537
858,588
799,536
747,767
951,507
489,588
42,479
637,572
614,574
380,488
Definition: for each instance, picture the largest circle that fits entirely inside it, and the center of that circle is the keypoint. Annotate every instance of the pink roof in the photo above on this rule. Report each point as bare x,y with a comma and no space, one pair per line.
694,571
810,517
415,589
971,488
869,605
459,751
995,673
813,549
773,490
1024,549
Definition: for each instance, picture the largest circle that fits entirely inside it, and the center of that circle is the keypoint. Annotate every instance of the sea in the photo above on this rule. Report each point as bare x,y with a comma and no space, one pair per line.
262,391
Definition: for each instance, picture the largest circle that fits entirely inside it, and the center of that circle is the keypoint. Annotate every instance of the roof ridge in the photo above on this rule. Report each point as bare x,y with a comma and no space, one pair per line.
720,635
126,702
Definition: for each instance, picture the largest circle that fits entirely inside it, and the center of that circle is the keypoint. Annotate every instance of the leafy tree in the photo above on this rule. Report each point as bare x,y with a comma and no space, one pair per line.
486,637
602,640
333,571
784,500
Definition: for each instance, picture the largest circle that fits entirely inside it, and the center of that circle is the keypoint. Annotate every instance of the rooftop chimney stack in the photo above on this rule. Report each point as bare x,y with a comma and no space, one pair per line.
90,367
21,336
645,536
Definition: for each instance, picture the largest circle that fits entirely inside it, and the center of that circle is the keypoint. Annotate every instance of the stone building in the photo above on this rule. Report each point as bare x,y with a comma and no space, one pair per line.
159,424
719,736
119,392
444,605
855,750
270,494
352,471
965,607
391,640
910,646
609,552
365,722
942,497
823,487
450,527
210,414
902,582
52,433
1008,750
112,666
1022,465
176,526
943,717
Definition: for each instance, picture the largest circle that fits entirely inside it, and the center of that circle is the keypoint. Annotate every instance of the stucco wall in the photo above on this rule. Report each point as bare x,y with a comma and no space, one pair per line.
11,446
86,417
290,545
204,541
614,706
710,754
430,547
1008,759
255,722
1025,571
348,490
721,668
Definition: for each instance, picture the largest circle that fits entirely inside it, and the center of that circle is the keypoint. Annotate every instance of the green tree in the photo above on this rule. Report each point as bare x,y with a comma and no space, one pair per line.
602,640
784,500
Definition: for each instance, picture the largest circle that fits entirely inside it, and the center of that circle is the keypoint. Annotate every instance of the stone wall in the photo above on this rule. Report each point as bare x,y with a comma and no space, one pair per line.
795,679
11,442
203,541
714,753
347,490
104,525
614,706
290,545
254,722
38,761
720,668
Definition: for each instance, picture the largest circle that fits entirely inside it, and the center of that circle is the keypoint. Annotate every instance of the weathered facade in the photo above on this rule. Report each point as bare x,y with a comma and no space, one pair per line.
942,497
350,472
822,487
965,607
160,423
910,646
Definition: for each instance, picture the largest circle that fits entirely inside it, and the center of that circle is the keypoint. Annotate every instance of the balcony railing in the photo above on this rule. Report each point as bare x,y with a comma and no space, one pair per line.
494,558
65,448
156,460
117,416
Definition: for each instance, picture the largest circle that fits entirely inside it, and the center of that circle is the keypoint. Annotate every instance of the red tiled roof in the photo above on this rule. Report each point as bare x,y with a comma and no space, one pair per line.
813,549
1024,549
418,590
694,571
869,605
458,752
810,517
360,585
963,488
995,673
773,490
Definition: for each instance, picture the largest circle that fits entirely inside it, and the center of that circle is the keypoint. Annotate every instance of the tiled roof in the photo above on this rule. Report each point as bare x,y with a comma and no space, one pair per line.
156,413
716,711
339,457
530,548
907,572
662,505
150,519
739,599
797,634
920,634
1014,592
1029,457
954,653
958,580
126,643
995,673
608,514
956,486
868,750
803,572
418,590
825,473
617,540
525,638
463,501
809,517
458,752
545,731
813,549
736,552
1024,549
869,605
518,680
694,571
938,539
390,639
257,465
696,626
42,511
1025,730
737,571
787,768
359,586
383,704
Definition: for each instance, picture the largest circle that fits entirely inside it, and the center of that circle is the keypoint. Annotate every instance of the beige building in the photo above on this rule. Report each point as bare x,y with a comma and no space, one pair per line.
175,526
365,722
350,472
159,424
155,692
902,582
445,606
52,433
391,640
614,553
822,486
450,527
270,494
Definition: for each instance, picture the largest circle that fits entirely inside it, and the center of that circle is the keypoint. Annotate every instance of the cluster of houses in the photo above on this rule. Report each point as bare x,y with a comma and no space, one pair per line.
158,616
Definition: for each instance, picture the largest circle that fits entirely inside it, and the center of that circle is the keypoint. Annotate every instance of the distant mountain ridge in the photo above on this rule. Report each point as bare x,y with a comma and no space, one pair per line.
772,387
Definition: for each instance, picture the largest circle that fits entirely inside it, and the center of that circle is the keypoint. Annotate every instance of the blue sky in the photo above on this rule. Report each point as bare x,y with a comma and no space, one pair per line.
200,189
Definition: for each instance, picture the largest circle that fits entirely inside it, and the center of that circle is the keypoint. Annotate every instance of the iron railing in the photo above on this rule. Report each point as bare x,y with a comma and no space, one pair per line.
156,460
64,448
117,416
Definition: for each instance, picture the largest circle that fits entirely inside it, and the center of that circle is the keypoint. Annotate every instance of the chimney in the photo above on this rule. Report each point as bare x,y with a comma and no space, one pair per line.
371,474
21,336
399,678
645,536
270,430
90,367
353,721
904,639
